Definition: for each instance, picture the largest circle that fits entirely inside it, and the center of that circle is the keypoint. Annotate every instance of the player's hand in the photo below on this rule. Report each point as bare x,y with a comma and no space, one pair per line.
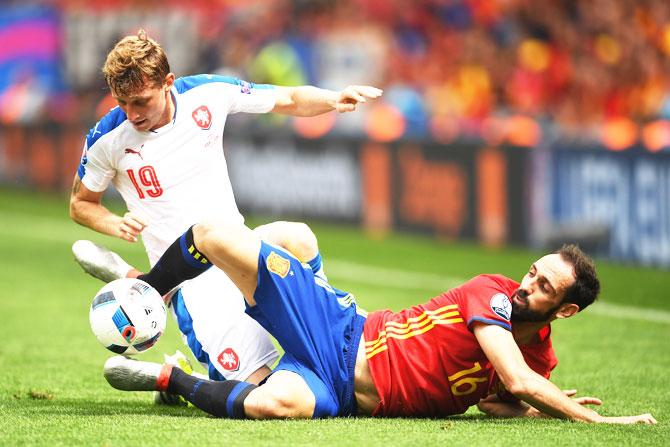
354,94
131,226
639,419
585,400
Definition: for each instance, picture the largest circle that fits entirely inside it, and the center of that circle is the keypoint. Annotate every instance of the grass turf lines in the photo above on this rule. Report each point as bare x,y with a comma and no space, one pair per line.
52,391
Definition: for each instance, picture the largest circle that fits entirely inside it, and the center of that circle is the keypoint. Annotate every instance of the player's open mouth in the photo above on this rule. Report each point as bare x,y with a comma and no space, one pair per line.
138,123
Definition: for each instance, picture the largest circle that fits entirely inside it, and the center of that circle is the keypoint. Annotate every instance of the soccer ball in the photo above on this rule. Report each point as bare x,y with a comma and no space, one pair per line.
127,316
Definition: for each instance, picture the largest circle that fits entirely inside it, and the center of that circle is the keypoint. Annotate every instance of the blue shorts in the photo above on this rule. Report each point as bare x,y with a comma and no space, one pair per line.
318,326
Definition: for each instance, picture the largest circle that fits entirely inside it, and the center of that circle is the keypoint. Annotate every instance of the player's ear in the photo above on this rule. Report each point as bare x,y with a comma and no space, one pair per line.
567,310
169,80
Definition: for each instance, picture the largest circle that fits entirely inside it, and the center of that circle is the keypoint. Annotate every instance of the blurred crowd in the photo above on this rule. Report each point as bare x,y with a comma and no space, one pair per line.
448,67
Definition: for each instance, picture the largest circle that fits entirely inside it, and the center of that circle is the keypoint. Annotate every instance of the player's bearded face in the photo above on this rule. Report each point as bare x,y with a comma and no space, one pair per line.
522,312
542,289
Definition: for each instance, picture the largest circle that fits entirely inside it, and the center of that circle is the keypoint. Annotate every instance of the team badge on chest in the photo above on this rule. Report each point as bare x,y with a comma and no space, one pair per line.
202,117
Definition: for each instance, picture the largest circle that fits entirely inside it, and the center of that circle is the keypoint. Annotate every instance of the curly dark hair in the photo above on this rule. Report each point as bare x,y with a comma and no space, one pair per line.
587,286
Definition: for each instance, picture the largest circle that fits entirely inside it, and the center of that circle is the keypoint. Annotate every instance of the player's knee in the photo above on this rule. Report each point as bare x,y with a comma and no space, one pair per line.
299,239
210,233
203,234
296,237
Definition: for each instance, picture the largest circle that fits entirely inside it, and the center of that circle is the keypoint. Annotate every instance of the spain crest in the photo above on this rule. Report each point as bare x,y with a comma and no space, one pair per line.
278,265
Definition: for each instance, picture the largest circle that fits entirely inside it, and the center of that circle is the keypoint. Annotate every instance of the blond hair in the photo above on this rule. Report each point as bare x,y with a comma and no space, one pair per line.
134,63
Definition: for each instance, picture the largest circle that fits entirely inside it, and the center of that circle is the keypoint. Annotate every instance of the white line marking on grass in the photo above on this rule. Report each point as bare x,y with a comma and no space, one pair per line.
629,312
403,279
388,277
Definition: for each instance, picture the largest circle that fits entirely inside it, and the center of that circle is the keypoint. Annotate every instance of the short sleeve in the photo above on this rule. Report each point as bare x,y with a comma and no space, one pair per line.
252,98
239,95
486,300
95,171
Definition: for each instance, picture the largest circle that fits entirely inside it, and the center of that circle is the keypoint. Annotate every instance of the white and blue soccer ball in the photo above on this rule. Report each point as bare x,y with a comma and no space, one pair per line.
127,316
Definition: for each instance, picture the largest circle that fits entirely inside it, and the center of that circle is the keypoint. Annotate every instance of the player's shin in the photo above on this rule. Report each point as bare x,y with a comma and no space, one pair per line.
220,399
181,261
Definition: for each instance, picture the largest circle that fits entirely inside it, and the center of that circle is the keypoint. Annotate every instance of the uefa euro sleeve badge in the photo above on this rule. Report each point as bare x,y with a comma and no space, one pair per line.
501,305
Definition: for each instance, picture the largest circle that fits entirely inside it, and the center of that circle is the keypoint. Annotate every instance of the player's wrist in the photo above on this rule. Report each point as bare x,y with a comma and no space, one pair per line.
596,418
333,99
115,225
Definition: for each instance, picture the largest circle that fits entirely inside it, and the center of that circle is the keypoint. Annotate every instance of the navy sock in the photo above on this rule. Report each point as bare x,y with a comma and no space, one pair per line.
221,399
181,261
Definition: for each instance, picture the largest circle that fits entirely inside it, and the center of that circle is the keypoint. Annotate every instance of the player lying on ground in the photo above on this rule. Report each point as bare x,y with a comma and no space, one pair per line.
468,346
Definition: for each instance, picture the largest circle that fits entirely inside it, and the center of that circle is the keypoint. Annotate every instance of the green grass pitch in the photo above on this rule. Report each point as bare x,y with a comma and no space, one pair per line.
52,391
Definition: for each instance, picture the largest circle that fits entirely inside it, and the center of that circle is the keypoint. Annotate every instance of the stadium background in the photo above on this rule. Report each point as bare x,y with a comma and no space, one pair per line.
501,121
506,125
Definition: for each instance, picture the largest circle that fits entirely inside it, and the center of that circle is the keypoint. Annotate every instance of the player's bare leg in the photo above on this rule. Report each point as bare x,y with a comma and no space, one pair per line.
105,265
284,395
234,249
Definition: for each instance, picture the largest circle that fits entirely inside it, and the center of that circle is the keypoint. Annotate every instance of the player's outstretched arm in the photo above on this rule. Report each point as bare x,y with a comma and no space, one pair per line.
86,209
499,346
311,101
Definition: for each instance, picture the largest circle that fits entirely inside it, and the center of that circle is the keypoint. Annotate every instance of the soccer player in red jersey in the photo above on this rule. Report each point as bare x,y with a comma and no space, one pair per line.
483,343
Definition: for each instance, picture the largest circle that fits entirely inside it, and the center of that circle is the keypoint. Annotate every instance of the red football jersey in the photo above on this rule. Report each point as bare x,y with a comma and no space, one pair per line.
426,361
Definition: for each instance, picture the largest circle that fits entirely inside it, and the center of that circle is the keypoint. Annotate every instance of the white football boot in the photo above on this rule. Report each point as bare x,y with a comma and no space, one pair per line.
127,374
99,261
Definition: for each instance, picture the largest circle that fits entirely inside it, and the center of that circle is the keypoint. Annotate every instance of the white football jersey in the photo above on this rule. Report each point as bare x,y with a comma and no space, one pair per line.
174,176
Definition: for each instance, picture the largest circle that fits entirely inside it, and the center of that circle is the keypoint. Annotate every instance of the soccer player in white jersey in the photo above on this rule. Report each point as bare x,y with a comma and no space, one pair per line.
162,150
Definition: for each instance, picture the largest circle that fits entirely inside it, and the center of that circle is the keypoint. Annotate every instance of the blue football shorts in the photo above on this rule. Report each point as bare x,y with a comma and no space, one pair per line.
318,326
